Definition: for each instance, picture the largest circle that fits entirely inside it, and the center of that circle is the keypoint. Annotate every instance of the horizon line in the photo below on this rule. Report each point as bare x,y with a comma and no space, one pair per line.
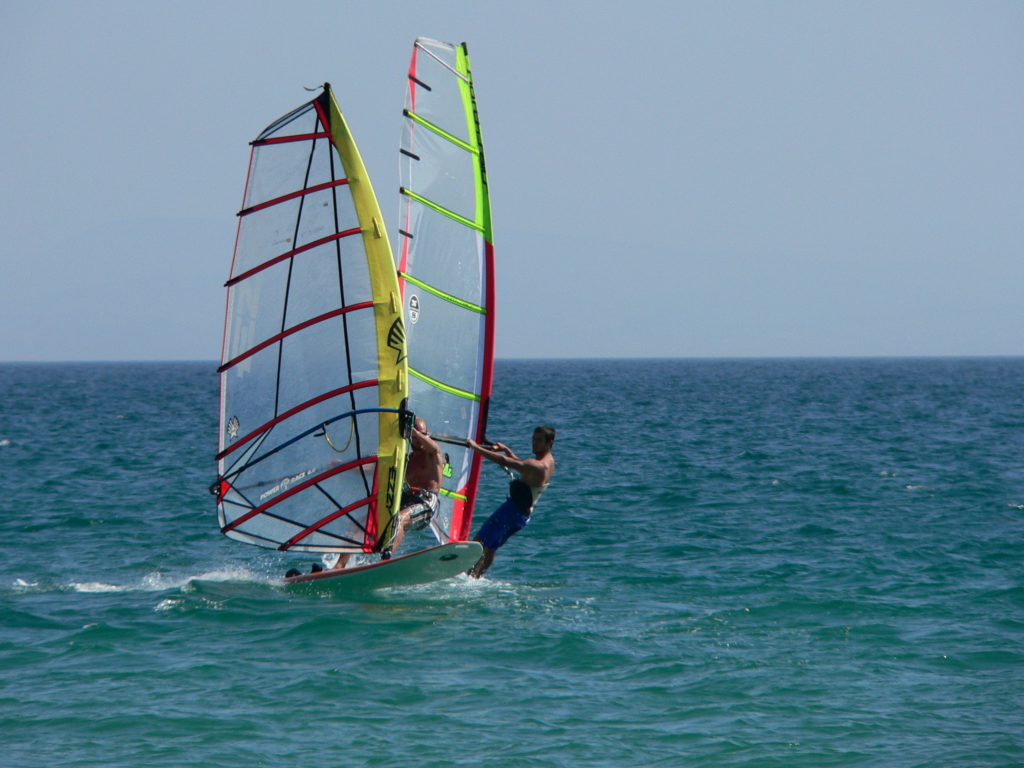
694,358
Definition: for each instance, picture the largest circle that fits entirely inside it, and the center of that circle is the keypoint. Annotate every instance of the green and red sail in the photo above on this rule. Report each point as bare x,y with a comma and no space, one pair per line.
446,267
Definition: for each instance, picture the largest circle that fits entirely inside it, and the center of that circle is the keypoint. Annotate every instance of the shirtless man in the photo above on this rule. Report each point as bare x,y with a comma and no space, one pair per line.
514,514
423,480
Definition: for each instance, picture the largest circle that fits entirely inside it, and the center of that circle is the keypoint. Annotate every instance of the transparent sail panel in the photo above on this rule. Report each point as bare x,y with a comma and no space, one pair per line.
264,235
317,283
318,218
302,439
315,359
279,169
443,172
283,173
442,522
300,121
444,254
442,105
254,310
444,342
250,389
443,412
295,513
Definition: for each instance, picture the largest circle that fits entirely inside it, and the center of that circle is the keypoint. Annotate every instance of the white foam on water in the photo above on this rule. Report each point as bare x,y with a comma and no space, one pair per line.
460,585
159,582
96,587
4,443
469,584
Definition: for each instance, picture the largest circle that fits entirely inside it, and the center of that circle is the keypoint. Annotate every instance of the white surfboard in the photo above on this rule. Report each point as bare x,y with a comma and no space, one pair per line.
423,567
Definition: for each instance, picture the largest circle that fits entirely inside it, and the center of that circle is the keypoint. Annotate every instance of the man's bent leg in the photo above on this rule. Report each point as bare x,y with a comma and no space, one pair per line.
417,512
403,523
506,521
483,563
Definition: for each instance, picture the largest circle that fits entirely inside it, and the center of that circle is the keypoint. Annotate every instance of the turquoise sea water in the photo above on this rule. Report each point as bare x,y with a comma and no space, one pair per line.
738,563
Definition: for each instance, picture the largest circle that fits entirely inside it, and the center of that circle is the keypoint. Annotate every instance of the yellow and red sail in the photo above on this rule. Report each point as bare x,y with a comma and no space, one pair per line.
314,369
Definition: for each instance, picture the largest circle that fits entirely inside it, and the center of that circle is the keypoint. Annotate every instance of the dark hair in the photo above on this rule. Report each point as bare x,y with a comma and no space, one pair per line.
548,432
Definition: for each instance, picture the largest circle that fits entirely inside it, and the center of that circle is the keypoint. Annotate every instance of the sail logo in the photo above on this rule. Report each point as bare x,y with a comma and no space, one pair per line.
396,339
414,308
233,426
392,477
284,484
446,470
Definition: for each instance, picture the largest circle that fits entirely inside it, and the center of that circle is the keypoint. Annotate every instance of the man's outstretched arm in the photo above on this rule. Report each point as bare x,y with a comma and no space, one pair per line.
501,447
526,467
500,459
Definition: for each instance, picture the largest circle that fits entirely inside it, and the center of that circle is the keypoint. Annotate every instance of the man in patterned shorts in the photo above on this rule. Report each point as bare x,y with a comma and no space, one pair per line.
422,482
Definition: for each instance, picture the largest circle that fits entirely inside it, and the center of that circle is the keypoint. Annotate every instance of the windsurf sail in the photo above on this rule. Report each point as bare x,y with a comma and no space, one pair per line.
313,373
446,268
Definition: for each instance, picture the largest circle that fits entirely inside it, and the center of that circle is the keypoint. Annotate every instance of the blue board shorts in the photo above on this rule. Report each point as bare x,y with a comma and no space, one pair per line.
505,521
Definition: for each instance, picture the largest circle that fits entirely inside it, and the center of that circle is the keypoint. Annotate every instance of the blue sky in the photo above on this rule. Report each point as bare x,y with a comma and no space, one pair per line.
712,180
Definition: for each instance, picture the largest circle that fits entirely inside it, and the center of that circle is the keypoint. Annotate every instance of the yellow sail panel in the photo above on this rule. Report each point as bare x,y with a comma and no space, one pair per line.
391,350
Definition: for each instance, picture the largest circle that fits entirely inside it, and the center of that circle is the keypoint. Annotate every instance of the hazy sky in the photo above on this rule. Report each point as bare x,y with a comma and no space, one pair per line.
667,179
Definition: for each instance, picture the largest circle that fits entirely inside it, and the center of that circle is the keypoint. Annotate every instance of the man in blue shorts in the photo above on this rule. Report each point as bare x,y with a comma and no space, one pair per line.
514,514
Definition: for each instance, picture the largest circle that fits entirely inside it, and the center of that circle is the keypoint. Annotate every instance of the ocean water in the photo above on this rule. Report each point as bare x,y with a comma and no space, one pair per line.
738,563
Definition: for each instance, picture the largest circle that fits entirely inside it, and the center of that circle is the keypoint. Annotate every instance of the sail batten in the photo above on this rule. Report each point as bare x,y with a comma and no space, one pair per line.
442,295
441,132
294,329
292,196
314,357
442,386
287,139
441,209
294,252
